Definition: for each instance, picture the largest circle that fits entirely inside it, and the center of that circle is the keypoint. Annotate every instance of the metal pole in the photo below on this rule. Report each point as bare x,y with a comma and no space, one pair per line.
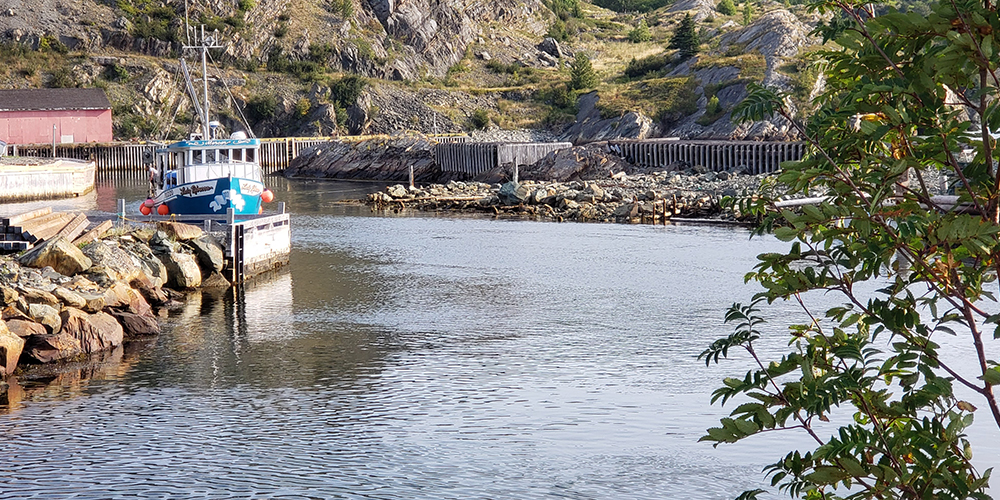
53,140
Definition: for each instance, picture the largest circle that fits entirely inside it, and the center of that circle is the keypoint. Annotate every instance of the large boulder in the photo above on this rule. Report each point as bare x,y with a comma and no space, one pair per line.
8,296
51,347
69,297
46,315
58,253
182,270
180,230
209,253
110,262
136,325
512,193
36,296
95,332
11,346
25,328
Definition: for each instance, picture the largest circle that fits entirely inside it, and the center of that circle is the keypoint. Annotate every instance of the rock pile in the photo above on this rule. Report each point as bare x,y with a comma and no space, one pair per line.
650,197
59,301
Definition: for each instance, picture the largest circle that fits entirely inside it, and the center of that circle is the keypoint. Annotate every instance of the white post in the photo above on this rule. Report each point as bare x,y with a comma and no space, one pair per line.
121,211
515,172
411,176
281,207
230,215
53,141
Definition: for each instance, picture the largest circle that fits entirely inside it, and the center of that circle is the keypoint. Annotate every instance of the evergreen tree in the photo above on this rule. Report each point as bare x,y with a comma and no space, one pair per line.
726,7
747,13
685,39
582,74
641,32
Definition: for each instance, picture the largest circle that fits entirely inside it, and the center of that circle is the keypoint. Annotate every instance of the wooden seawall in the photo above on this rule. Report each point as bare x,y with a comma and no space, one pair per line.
756,157
474,158
125,161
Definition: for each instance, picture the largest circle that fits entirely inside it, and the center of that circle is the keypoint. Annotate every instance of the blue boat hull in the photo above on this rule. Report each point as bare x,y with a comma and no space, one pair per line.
214,197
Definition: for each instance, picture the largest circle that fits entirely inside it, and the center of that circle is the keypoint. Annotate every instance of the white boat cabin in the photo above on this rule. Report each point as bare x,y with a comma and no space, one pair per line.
185,162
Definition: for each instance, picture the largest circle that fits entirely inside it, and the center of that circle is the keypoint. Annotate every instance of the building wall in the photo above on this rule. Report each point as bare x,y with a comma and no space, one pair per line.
71,126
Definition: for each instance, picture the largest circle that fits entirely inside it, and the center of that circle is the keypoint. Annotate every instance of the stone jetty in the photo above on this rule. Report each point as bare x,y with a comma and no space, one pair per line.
652,197
61,301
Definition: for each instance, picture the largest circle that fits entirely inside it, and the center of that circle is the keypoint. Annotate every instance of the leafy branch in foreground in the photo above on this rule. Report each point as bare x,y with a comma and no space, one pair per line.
897,91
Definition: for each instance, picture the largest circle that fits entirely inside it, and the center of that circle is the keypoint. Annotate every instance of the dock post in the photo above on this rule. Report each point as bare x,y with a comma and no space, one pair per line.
230,216
281,207
411,176
515,172
121,211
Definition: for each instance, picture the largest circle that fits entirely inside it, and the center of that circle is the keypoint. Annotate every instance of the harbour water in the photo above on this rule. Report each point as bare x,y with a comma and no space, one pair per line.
404,356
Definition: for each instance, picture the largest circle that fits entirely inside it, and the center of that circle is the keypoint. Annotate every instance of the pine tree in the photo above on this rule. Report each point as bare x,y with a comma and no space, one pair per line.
685,39
581,73
747,13
726,7
641,32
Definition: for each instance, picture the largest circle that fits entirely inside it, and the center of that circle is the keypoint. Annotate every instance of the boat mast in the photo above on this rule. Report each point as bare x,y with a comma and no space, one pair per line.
204,43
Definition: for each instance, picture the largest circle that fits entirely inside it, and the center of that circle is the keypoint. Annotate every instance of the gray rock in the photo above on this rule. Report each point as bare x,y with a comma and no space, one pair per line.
182,270
551,47
46,315
209,253
114,263
69,297
513,193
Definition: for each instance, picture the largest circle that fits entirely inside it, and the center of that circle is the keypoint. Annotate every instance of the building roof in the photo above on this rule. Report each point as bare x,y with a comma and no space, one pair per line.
53,99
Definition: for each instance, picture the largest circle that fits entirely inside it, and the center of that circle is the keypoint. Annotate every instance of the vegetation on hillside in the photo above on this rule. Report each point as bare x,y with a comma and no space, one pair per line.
630,45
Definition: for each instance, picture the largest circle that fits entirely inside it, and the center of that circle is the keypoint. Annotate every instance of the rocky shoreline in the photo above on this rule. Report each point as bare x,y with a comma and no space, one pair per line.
61,303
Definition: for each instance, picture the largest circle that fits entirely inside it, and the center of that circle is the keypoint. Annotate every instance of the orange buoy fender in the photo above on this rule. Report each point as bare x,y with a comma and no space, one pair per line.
144,210
267,196
163,210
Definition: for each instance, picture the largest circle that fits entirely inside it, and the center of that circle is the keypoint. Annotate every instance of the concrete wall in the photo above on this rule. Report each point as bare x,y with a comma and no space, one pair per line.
71,126
59,179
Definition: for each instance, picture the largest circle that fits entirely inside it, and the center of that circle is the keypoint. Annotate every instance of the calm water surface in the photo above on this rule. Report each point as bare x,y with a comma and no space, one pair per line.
402,357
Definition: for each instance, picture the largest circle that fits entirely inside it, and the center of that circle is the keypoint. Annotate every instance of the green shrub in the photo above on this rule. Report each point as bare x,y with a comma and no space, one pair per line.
726,7
346,91
640,33
480,119
558,30
632,5
281,30
116,73
302,107
565,9
246,5
262,107
638,68
61,78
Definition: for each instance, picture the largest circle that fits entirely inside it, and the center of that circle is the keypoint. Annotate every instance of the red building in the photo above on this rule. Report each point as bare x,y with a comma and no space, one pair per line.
36,116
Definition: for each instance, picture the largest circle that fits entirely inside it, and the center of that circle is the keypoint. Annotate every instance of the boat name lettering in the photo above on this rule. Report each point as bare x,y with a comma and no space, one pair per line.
195,189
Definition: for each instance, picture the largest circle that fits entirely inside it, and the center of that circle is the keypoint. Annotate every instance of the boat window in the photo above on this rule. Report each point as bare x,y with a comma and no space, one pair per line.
250,155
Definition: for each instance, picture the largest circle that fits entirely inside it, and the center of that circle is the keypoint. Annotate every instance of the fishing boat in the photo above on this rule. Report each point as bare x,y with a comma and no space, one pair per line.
205,174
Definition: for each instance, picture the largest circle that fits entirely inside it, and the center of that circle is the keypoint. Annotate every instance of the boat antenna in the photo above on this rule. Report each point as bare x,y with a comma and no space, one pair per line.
203,44
246,123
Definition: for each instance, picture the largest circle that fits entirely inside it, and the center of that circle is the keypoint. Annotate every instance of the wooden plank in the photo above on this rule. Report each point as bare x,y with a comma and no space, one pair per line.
74,228
48,229
19,218
94,233
37,222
